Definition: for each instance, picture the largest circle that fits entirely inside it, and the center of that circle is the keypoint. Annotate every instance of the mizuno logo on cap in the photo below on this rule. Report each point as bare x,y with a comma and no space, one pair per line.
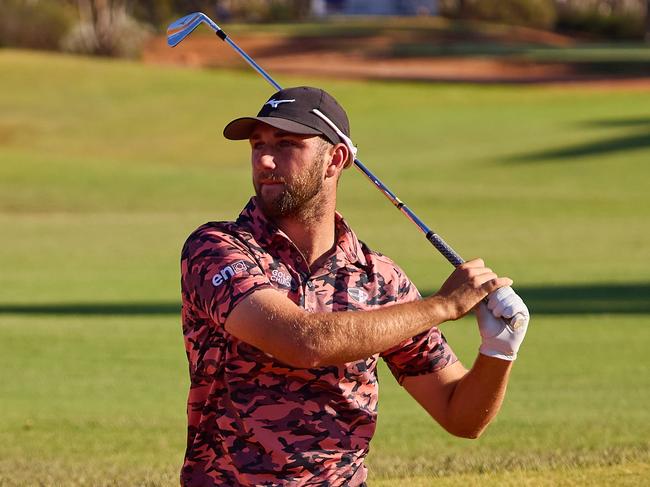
275,103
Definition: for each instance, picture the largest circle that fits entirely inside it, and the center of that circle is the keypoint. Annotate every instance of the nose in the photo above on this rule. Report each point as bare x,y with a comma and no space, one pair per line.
263,160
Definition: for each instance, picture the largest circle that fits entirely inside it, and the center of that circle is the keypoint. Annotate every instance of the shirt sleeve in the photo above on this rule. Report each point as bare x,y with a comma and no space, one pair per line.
422,354
217,272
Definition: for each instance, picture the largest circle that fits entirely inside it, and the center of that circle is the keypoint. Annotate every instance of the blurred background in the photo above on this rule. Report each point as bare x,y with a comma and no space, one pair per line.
550,38
517,129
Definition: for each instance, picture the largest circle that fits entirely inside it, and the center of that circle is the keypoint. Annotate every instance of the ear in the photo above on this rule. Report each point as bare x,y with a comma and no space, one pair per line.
338,156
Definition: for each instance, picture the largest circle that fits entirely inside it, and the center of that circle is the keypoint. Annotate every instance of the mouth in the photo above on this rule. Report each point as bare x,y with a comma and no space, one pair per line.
269,187
271,181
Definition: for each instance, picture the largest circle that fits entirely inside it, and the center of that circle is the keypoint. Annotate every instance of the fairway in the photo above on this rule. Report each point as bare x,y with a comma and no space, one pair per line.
106,167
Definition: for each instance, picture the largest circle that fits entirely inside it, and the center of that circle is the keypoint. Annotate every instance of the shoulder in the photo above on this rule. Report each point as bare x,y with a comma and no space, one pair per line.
217,252
380,262
219,237
212,231
215,232
390,271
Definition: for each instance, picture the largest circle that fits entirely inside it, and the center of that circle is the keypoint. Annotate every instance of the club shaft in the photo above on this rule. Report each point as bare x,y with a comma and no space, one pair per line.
435,239
443,247
253,64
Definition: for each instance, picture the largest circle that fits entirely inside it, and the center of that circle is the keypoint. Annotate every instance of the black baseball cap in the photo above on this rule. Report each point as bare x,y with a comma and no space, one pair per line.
292,109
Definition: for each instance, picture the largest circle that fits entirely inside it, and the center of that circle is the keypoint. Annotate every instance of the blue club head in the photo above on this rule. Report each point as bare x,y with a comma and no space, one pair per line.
181,28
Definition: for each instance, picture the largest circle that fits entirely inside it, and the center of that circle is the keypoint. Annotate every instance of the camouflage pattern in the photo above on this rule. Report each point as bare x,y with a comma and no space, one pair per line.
254,420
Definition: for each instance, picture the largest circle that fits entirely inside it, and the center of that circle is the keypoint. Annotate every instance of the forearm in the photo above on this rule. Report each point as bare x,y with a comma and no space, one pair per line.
334,338
271,322
477,397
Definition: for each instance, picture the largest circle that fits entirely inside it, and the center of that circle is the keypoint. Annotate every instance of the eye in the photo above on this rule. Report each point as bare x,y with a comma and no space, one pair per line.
287,143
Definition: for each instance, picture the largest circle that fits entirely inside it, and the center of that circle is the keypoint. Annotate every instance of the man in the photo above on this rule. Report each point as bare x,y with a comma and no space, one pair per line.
286,313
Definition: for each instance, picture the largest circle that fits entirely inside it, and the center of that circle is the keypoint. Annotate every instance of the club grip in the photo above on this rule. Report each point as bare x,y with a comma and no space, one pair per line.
444,248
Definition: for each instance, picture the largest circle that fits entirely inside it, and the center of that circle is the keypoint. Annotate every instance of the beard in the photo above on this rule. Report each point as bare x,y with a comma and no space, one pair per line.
301,195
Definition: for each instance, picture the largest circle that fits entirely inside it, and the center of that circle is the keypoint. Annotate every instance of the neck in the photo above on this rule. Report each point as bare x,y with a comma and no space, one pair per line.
312,231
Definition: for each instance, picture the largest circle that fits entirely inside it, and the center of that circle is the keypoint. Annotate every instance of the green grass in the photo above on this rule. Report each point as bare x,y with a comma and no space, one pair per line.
103,398
106,166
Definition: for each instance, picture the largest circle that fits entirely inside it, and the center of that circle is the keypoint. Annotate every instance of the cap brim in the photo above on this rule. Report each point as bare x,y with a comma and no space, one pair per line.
242,128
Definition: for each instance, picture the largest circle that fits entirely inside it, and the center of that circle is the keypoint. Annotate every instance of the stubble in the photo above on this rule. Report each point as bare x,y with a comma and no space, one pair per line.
302,196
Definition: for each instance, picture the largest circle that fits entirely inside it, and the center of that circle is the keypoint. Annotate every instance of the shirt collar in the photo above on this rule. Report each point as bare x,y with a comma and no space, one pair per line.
267,234
346,241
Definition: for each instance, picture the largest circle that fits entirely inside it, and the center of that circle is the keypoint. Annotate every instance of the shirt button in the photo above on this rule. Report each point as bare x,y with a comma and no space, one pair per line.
298,259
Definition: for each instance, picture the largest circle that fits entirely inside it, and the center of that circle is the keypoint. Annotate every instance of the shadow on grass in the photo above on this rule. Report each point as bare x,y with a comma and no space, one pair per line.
633,298
94,309
622,298
639,139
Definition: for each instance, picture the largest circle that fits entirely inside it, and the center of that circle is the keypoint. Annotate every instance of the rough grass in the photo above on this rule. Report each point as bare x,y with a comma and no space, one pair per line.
58,474
106,166
100,400
630,474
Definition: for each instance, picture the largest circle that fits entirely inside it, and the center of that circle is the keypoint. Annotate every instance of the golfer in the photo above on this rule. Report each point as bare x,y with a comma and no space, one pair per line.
286,314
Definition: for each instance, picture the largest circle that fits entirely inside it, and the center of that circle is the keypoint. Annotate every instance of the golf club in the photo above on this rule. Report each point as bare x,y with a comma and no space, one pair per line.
181,28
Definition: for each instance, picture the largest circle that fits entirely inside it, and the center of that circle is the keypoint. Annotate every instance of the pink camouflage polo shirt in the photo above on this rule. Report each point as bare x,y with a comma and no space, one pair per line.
253,420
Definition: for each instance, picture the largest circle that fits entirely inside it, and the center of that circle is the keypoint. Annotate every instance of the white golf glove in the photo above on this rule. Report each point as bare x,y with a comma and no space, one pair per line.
503,322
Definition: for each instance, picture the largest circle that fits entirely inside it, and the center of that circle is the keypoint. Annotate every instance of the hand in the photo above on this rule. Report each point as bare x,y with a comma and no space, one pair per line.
499,338
505,303
467,286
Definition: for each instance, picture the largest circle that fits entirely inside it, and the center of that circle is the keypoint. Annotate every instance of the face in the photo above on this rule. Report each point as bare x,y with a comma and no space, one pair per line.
288,171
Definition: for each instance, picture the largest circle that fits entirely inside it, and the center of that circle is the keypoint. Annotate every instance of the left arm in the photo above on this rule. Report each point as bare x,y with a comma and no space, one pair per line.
465,402
461,401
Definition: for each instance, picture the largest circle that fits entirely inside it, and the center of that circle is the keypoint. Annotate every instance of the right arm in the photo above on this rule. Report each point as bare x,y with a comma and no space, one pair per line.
271,322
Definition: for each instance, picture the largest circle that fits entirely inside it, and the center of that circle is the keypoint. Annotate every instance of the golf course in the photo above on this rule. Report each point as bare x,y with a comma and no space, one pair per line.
106,166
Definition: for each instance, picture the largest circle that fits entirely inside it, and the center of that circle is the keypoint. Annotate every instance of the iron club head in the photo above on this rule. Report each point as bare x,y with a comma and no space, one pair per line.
181,28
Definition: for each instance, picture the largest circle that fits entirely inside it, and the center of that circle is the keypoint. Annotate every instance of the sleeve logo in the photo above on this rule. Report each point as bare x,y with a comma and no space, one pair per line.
228,272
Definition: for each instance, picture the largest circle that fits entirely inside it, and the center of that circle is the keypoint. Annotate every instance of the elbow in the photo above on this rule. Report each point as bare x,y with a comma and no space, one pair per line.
471,434
305,355
298,354
467,431
471,425
307,342
308,354
311,343
301,359
303,351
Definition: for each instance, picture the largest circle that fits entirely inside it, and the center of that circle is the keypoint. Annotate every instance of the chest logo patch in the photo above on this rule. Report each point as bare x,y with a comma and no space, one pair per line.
282,278
358,295
228,272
